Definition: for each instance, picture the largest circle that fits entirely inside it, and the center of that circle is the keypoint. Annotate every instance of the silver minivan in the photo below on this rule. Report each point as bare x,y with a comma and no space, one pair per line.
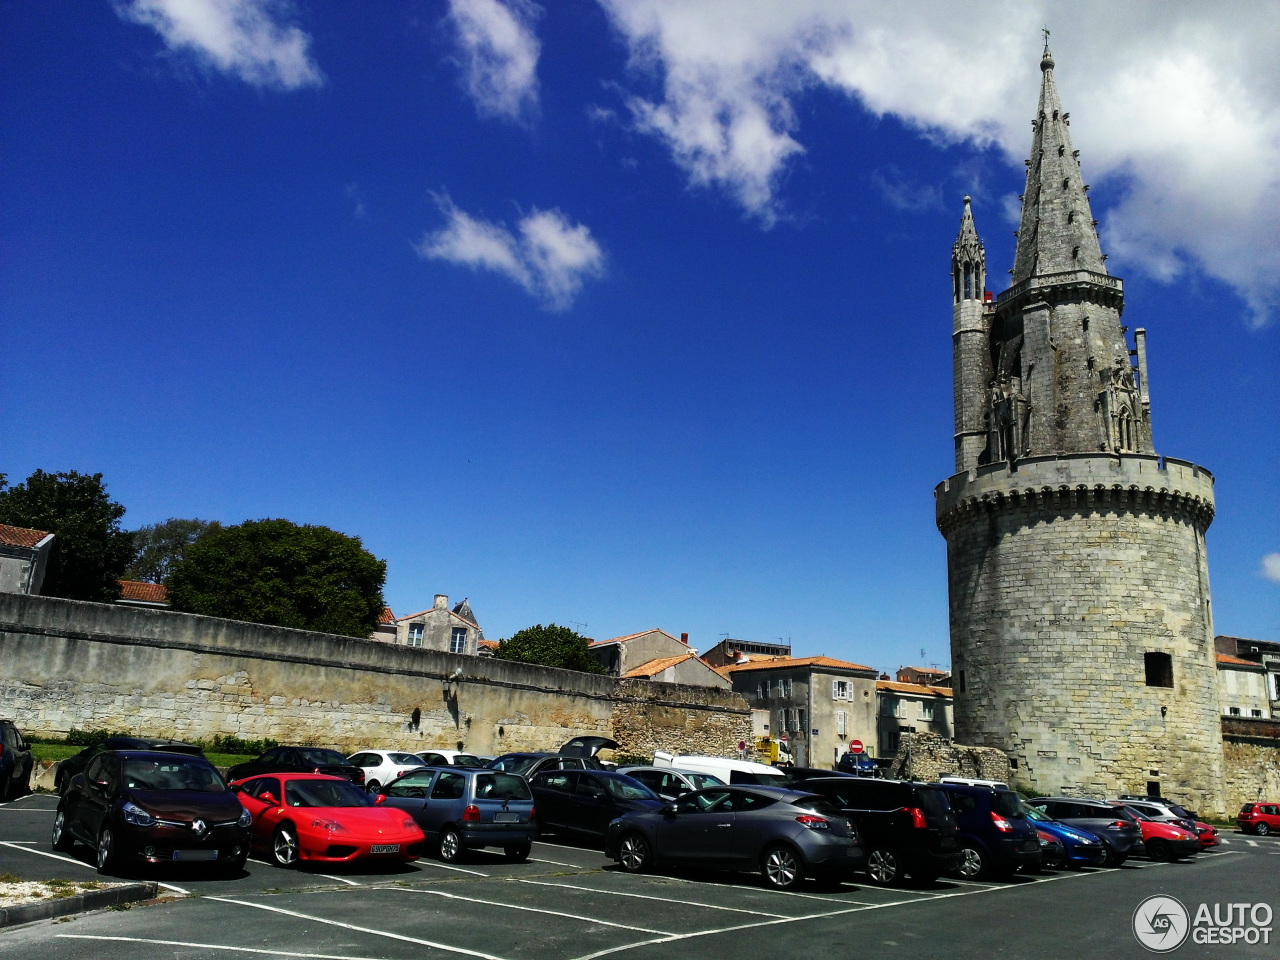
461,809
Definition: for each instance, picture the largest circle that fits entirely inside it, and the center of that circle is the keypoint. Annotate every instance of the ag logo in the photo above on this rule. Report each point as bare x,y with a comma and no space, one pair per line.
1161,924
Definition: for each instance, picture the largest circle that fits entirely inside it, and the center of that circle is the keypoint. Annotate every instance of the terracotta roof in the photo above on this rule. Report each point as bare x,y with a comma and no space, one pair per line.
780,663
633,636
488,644
899,687
387,616
657,666
926,670
143,592
20,536
1238,661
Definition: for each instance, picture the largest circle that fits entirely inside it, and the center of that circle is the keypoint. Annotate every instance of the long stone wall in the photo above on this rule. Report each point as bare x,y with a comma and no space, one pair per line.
67,664
1251,757
928,756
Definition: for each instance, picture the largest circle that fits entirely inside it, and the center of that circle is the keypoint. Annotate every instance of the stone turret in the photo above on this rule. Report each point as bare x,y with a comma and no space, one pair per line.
1081,628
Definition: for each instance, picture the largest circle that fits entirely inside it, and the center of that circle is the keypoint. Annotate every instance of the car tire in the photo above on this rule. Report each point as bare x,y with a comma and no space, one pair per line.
107,853
450,845
974,864
781,867
1159,850
1262,829
285,846
634,853
518,854
62,839
884,867
372,786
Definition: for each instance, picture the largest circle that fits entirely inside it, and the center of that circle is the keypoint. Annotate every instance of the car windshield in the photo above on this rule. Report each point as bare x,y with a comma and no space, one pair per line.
1178,811
770,780
1038,815
467,760
624,788
517,765
1135,813
1006,803
501,786
324,793
405,758
322,757
932,801
701,780
173,773
819,805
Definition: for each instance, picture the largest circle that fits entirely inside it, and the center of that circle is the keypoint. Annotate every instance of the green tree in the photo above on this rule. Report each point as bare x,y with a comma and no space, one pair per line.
90,551
157,547
280,573
551,646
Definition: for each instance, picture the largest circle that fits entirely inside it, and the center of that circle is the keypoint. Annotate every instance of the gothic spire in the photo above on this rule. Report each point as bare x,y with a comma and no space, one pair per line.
1057,232
968,245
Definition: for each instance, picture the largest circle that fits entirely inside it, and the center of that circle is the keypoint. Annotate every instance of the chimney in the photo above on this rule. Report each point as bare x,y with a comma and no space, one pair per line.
684,638
442,602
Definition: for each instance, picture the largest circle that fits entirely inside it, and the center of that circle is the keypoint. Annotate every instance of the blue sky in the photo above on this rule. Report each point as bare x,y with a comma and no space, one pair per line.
618,315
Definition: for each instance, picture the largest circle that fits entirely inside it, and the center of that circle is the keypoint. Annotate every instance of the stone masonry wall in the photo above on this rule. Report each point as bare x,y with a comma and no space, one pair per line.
1251,753
67,664
927,756
1062,575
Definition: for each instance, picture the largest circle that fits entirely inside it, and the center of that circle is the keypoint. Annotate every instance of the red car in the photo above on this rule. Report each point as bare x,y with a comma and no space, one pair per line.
1163,841
308,816
1208,835
1259,818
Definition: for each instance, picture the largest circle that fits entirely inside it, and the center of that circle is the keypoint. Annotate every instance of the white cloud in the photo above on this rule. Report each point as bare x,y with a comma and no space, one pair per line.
1271,567
548,255
498,52
1177,104
249,39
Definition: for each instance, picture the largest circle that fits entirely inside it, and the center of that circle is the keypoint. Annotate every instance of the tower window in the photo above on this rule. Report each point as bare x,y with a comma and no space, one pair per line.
962,687
1065,182
1071,216
968,282
1159,669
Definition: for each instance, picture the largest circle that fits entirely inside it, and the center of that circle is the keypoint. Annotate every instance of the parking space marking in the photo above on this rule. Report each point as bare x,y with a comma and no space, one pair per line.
1252,843
327,876
28,809
556,862
644,896
764,890
550,913
351,926
445,866
210,946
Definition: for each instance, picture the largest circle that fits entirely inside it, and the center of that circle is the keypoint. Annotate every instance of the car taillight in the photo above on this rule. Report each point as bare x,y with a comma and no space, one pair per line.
359,775
316,770
812,822
533,812
917,819
1003,825
1117,825
471,814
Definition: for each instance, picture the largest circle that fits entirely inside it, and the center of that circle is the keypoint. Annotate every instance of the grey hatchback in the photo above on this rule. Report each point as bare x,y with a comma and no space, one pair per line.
465,809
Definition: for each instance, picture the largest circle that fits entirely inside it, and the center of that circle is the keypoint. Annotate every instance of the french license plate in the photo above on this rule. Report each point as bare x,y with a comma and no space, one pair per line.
506,817
385,848
195,854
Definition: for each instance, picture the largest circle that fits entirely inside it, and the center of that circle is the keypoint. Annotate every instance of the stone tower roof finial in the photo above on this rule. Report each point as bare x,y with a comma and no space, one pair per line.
968,245
1057,231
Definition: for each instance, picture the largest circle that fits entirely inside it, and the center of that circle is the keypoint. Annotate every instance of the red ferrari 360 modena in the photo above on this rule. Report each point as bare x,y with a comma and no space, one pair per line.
308,816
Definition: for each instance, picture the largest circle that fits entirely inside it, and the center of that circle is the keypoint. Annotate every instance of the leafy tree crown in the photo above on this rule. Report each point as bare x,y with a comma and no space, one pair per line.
551,646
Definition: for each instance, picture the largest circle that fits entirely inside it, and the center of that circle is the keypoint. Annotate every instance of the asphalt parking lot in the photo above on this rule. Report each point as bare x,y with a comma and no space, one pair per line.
569,903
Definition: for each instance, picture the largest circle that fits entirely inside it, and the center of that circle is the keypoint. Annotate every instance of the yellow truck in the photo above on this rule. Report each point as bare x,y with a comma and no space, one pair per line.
770,750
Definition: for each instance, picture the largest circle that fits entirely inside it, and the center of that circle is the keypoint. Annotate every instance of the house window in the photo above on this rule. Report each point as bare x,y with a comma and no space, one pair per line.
1235,711
800,724
889,743
768,688
926,711
1255,713
842,724
760,694
889,707
962,681
458,640
786,688
840,690
1159,669
415,634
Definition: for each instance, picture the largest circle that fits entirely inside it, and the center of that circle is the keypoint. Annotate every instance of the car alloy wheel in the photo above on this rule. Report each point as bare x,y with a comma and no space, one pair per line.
450,845
61,835
106,851
972,863
1262,829
372,786
284,846
883,867
781,868
633,853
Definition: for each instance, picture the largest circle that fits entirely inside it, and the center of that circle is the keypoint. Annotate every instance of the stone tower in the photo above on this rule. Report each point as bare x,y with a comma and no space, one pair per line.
1081,631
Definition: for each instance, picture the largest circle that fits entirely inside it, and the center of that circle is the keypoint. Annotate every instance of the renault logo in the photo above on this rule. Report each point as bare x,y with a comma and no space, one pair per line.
200,827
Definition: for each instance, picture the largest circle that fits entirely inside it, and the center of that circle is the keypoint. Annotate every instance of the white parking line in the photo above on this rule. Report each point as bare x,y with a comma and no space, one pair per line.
28,809
80,863
445,866
210,946
351,926
642,896
556,862
327,876
765,890
1252,843
550,913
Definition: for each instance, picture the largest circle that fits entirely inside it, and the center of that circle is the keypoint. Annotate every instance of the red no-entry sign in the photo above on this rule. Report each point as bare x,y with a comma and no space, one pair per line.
855,746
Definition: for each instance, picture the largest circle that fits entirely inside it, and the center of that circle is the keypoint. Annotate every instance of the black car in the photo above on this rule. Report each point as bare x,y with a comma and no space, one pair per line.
905,827
15,762
1119,833
785,834
528,764
69,767
144,806
800,775
299,760
996,836
582,802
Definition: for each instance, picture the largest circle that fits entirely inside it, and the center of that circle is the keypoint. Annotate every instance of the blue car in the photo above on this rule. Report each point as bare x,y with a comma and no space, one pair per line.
996,838
1081,848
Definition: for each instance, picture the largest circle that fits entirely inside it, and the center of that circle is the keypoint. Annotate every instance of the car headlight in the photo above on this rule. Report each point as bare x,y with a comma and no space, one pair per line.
135,815
246,818
331,825
408,824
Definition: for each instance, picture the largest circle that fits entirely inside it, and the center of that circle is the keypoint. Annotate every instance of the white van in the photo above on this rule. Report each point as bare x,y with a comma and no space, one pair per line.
971,782
730,771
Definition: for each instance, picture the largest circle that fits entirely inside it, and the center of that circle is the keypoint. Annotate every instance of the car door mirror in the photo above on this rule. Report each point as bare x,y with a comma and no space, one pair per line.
380,798
269,798
669,810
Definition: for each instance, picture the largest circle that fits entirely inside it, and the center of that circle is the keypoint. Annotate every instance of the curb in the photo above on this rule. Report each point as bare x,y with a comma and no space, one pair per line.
80,903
